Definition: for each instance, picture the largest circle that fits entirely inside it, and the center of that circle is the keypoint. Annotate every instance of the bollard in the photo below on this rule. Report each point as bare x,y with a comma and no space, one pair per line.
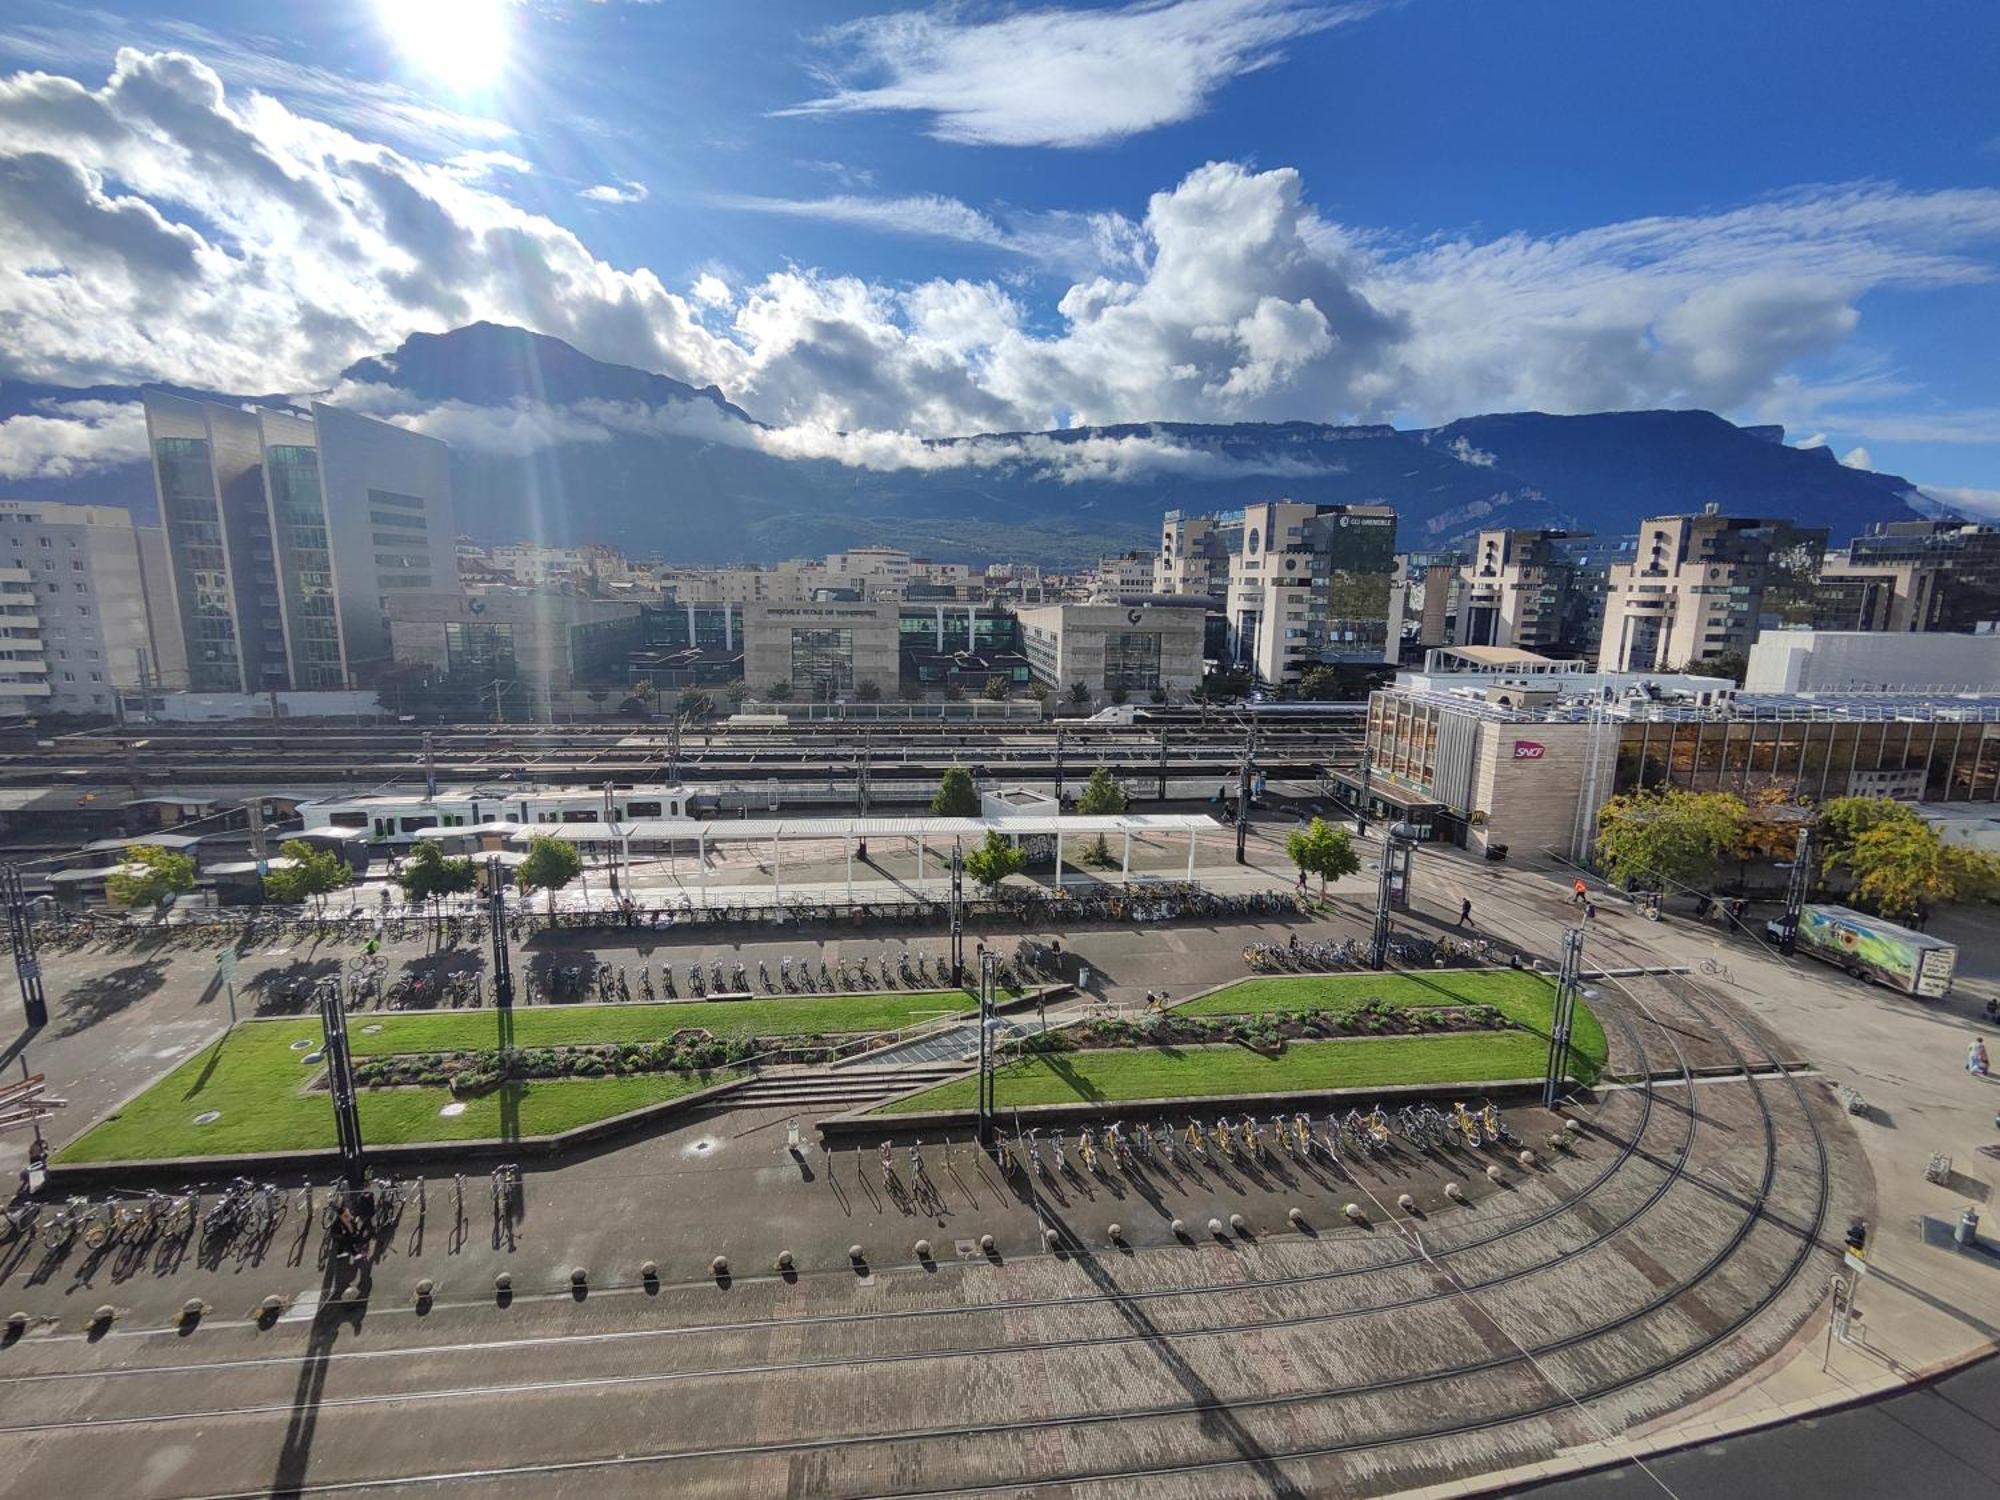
784,1260
1573,1126
1454,1192
271,1306
504,1282
1493,1174
16,1322
1236,1222
650,1271
986,1244
193,1308
1967,1234
1117,1233
424,1289
1051,1238
578,1276
1297,1217
854,1253
720,1265
1179,1228
923,1249
103,1315
1353,1211
1526,1158
1215,1227
1406,1203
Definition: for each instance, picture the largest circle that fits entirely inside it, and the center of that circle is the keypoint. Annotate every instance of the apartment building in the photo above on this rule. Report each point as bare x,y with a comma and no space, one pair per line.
101,598
286,534
1122,577
1302,585
875,572
1912,576
781,583
1516,590
24,670
1705,584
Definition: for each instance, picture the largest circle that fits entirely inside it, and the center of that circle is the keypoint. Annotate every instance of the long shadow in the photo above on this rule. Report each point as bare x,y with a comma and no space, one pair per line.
105,996
288,989
1214,1411
510,1093
295,1455
19,1045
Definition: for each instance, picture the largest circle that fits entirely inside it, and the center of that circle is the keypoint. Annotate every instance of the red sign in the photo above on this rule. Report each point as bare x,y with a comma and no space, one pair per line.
1528,750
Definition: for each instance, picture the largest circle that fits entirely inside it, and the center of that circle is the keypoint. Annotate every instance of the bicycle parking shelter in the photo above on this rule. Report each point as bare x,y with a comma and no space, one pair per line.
666,835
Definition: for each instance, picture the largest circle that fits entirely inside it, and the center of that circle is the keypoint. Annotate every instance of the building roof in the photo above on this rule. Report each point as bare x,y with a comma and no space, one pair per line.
746,830
1499,656
158,840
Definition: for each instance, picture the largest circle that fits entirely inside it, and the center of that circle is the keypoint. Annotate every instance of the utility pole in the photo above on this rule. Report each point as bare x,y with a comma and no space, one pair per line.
254,810
496,918
1059,767
861,778
1568,979
430,769
1798,886
1243,793
957,911
132,776
27,967
674,749
987,1081
1163,762
340,1081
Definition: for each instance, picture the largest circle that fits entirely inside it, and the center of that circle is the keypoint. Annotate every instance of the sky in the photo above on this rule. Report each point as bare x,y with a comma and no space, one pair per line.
869,225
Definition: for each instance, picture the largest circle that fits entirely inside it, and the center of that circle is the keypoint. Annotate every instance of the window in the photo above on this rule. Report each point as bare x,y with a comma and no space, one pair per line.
44,541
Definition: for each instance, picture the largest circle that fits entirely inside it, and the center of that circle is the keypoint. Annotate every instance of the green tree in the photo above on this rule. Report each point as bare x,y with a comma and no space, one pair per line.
736,692
997,688
778,692
1674,838
694,705
1731,664
1039,691
1101,796
149,875
1320,685
956,796
313,874
867,691
1079,693
995,859
429,877
1322,849
1842,820
550,864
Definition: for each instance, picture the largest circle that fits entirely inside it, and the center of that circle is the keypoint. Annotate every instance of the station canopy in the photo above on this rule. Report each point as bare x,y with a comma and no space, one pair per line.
787,830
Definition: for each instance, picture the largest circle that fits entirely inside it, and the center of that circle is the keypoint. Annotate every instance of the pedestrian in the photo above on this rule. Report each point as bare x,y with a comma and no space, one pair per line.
1589,910
1578,890
1975,1058
1302,885
1465,913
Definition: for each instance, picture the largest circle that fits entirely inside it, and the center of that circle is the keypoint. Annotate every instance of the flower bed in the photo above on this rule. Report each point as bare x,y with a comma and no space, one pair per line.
476,1072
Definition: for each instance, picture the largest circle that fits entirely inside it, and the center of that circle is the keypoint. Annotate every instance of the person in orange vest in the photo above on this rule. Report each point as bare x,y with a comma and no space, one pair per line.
1579,891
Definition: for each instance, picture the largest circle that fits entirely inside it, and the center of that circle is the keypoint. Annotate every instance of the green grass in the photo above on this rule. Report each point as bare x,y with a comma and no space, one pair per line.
573,1025
258,1083
1198,1072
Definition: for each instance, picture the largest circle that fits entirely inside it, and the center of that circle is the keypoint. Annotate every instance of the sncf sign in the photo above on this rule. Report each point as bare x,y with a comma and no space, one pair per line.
1528,750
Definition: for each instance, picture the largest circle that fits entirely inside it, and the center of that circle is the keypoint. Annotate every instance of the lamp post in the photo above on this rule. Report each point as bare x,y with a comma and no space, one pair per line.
21,931
987,1082
1564,1015
340,1081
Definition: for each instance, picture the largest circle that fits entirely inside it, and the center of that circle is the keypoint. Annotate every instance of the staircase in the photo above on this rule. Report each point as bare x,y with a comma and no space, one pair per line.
847,1090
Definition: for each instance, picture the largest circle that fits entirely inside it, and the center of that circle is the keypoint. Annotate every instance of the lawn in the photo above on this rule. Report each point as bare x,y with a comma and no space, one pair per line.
255,1079
1525,999
1197,1072
575,1025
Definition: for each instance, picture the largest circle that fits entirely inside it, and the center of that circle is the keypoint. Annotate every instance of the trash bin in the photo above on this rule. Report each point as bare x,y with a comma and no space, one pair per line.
1967,1234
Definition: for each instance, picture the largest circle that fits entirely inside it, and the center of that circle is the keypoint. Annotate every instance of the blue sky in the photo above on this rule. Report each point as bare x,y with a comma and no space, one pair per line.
896,222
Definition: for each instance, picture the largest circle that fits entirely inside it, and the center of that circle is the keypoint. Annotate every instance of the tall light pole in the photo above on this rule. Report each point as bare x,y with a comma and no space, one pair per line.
957,912
988,1103
27,967
1564,1016
496,918
1798,885
340,1081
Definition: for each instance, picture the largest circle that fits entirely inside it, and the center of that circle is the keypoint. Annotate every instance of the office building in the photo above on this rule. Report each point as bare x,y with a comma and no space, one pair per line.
1516,590
1863,661
873,572
1117,649
1122,576
546,640
1913,576
1302,585
98,601
24,668
285,535
781,583
823,649
1699,586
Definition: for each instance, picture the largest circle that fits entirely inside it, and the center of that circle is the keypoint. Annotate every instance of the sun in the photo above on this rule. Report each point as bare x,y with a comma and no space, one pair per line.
463,44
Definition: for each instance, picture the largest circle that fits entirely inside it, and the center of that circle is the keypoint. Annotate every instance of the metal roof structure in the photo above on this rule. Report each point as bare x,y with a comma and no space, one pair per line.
786,830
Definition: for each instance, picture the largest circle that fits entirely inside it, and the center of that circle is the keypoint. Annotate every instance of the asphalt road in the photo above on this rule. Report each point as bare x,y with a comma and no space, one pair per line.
1941,1442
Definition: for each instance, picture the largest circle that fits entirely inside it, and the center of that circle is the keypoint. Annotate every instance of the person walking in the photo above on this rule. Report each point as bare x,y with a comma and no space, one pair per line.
1465,913
1589,910
1577,893
1302,885
1975,1058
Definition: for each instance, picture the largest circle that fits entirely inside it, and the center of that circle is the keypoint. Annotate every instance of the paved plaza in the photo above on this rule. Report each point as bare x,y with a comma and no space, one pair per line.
1220,1326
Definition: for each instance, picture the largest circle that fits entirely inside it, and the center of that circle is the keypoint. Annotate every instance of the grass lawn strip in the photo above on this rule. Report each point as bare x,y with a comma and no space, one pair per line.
1526,1000
582,1025
1198,1072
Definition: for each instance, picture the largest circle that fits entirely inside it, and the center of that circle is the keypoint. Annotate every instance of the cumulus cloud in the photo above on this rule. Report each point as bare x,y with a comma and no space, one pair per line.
62,439
615,192
1857,458
1054,77
1077,243
1964,499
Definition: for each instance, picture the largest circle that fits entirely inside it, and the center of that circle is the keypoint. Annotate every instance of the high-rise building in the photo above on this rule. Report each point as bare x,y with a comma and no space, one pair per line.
1516,590
98,603
1699,586
24,670
1302,585
286,534
1912,576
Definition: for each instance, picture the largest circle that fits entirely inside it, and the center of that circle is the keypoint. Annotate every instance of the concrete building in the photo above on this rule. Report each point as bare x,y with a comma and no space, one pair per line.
285,535
1860,661
1122,576
876,572
98,602
1702,585
1516,590
1912,576
781,583
24,669
1303,585
824,649
549,642
1113,648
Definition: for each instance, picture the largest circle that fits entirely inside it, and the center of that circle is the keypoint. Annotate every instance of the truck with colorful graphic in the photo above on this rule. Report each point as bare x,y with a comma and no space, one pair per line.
1874,948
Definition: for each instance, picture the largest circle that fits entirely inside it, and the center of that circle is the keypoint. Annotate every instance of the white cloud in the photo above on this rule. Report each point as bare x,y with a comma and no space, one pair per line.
615,192
1053,77
67,438
1962,498
1078,243
1857,458
1817,440
710,290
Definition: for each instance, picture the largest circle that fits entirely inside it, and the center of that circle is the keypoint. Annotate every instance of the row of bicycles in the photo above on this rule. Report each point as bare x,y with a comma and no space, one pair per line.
1407,952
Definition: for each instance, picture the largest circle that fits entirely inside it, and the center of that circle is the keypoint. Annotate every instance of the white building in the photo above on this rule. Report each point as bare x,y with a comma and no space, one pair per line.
1868,661
1121,577
100,595
1116,649
879,572
24,671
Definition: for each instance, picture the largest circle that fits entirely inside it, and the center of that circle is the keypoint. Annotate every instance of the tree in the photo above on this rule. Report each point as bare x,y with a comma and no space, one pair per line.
550,864
313,874
429,876
778,692
1669,837
867,691
953,693
1101,796
1158,695
1731,664
1322,849
1320,685
149,875
956,796
1039,691
694,705
1079,693
1842,820
736,692
995,859
997,688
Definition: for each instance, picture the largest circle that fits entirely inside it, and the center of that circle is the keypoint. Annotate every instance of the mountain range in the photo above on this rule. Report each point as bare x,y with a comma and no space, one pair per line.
550,444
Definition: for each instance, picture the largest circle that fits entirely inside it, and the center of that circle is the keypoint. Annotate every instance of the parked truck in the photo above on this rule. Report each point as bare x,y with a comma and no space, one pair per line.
1873,948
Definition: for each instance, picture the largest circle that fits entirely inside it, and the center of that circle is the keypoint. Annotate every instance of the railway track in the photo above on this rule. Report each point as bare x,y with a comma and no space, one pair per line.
1142,1375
